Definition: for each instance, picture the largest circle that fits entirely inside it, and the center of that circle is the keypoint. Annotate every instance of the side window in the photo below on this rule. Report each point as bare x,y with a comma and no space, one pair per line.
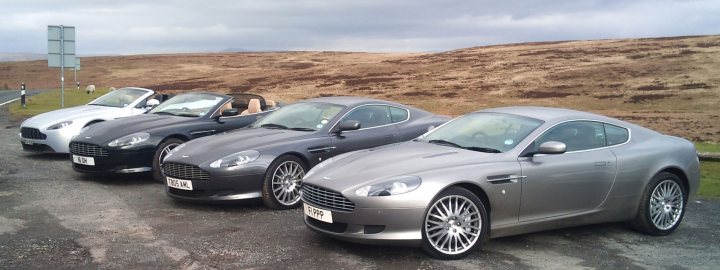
398,115
578,135
370,116
616,135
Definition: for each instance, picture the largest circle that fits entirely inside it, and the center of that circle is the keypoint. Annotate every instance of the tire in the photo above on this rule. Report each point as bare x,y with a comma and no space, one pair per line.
662,206
468,227
282,183
164,147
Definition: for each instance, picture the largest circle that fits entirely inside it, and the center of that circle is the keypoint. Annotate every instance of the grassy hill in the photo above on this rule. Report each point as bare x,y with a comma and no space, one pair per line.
668,84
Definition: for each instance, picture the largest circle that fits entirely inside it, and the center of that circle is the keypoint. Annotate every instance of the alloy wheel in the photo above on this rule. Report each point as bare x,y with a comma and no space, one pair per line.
666,204
286,182
453,224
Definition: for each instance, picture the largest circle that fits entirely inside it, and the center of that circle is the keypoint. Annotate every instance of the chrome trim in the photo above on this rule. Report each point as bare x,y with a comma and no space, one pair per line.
512,178
369,104
202,131
586,150
321,149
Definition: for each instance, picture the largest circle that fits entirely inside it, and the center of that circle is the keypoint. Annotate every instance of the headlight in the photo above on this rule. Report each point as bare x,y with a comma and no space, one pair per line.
236,159
392,186
59,125
173,151
130,140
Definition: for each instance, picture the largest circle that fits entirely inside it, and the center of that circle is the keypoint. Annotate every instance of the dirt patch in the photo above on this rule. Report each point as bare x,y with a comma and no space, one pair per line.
654,87
183,85
695,86
609,96
544,94
645,98
449,94
355,82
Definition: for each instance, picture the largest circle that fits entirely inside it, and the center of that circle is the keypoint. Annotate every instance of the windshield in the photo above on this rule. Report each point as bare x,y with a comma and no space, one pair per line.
189,105
119,98
484,132
305,116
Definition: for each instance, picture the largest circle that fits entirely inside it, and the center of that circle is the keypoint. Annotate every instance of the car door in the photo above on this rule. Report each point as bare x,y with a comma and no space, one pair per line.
576,181
376,129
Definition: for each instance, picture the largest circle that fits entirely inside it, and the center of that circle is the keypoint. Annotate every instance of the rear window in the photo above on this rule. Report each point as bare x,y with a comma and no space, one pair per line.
615,135
398,114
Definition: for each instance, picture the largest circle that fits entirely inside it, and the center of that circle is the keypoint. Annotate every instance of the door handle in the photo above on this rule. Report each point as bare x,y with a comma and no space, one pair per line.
601,163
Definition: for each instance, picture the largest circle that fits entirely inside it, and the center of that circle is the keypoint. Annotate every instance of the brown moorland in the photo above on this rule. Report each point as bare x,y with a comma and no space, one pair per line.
668,84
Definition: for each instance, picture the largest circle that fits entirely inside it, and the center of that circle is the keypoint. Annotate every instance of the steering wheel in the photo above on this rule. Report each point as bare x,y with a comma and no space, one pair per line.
481,138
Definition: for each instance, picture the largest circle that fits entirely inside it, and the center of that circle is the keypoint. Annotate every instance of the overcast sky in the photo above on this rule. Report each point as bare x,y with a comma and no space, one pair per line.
149,26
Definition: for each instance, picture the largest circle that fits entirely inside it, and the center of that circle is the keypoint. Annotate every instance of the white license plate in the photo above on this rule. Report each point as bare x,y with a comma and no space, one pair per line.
84,160
319,214
26,141
179,183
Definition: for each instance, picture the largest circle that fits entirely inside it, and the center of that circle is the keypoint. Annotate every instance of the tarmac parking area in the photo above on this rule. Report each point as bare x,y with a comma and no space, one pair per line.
53,217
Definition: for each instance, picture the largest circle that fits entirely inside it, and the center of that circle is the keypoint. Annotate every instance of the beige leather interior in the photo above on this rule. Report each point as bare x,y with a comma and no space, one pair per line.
253,107
226,107
270,103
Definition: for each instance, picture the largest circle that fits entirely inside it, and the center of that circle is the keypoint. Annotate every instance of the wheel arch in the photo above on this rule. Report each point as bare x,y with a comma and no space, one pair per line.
679,173
176,136
304,159
475,189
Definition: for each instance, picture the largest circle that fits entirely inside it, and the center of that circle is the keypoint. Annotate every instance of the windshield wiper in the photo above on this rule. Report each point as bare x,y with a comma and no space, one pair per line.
104,105
273,125
482,149
164,113
184,114
302,129
444,142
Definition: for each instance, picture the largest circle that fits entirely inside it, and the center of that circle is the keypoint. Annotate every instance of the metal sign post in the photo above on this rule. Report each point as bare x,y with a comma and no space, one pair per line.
61,52
76,68
22,95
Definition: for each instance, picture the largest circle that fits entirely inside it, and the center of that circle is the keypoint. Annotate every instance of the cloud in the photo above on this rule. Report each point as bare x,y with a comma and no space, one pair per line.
134,26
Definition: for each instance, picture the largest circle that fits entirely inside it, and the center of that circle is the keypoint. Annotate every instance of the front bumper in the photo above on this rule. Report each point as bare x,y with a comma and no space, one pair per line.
245,185
119,161
385,226
56,141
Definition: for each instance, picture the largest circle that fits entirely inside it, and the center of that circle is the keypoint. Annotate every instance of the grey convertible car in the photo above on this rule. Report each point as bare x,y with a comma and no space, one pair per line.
500,172
269,159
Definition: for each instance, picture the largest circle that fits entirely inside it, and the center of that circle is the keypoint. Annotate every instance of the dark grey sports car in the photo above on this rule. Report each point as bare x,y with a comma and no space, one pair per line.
501,172
269,159
139,143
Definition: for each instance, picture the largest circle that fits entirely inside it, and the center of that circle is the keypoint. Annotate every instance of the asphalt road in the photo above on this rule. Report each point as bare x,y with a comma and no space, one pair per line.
52,217
8,95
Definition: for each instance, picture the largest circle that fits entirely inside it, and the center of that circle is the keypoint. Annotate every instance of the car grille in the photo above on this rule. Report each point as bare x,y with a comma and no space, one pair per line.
86,149
326,198
32,133
184,171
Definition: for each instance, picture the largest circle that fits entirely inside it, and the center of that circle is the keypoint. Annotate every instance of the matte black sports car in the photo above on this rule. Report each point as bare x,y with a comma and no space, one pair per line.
138,144
269,159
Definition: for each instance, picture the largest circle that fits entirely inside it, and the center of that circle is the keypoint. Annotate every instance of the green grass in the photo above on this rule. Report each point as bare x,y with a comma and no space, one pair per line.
50,100
709,179
707,147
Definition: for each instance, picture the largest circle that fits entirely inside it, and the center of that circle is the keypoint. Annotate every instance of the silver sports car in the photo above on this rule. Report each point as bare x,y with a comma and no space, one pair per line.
500,172
51,132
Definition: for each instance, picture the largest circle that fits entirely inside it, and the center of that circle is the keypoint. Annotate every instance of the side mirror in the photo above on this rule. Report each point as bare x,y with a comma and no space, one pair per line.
230,112
348,125
552,148
152,103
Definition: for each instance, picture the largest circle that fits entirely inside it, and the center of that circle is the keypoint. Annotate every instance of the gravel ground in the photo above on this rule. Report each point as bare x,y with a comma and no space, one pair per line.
52,217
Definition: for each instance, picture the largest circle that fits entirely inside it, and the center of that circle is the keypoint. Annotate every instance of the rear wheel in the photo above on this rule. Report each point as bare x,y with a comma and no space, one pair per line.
160,153
663,205
283,180
455,224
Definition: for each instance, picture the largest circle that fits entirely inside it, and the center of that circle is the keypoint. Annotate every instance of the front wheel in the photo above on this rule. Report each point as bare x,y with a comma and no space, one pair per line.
160,153
282,183
455,224
663,205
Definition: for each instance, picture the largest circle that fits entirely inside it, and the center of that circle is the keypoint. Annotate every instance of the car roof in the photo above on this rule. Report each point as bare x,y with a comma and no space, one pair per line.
546,114
352,101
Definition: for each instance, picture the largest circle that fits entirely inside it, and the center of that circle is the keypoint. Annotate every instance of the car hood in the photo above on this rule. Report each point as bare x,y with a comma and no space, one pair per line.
68,114
409,158
106,131
215,147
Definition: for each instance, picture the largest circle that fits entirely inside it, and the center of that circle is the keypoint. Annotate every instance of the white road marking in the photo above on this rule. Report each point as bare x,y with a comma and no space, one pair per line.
9,101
